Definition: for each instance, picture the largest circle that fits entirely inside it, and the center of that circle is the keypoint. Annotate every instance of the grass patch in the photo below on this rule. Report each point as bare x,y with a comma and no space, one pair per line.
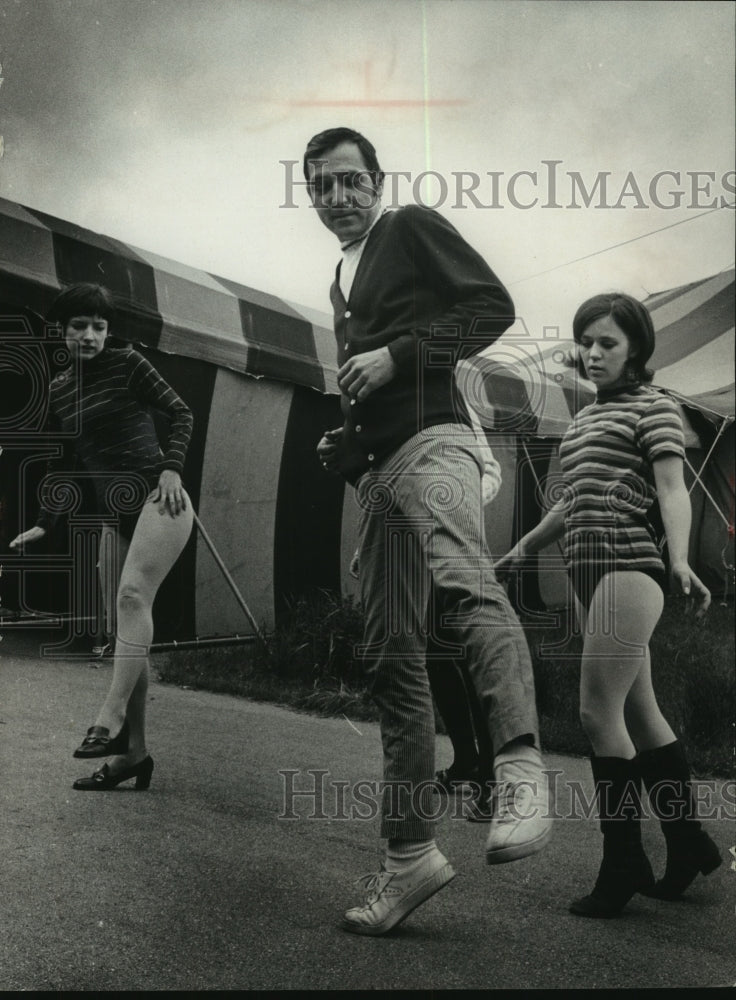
693,675
309,666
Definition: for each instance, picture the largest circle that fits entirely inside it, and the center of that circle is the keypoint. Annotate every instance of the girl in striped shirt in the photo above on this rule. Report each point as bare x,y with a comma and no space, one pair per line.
101,405
620,454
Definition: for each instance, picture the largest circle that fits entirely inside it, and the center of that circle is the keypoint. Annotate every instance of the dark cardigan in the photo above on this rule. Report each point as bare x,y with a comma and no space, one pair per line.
424,293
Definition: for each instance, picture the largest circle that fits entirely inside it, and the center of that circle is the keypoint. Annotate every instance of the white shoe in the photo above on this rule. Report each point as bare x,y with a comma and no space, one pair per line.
522,821
391,896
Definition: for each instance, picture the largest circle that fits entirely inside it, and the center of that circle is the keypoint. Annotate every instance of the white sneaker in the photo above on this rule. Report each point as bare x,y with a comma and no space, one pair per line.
391,896
522,822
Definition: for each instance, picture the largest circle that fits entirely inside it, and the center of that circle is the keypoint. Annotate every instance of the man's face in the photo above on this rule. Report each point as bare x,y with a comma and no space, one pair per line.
343,191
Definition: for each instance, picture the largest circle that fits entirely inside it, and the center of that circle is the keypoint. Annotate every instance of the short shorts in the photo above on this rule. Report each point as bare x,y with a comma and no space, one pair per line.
124,524
121,508
585,578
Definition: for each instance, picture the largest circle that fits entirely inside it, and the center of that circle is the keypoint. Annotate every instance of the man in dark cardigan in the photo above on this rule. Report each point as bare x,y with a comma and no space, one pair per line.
411,299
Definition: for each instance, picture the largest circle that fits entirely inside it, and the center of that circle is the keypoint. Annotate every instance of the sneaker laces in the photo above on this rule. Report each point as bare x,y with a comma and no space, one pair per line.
507,807
374,883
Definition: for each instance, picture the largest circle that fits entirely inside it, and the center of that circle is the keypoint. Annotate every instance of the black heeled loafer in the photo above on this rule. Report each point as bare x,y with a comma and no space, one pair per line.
450,779
99,743
103,781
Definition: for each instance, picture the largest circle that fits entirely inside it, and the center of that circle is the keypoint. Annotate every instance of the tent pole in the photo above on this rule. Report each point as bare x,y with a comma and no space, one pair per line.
230,582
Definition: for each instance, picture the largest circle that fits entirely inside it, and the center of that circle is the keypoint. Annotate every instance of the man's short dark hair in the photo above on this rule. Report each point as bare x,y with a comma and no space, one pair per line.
323,142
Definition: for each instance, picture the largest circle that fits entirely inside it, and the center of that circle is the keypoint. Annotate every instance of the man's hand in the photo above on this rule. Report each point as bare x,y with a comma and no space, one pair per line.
327,449
363,374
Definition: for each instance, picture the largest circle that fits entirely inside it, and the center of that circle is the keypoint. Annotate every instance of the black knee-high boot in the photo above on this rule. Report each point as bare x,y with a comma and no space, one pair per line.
690,850
625,868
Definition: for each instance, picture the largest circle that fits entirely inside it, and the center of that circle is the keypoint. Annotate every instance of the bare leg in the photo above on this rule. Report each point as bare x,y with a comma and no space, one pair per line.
157,542
624,610
136,716
644,720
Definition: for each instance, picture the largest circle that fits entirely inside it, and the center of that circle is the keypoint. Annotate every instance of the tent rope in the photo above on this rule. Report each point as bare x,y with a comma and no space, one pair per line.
708,494
710,452
697,478
538,484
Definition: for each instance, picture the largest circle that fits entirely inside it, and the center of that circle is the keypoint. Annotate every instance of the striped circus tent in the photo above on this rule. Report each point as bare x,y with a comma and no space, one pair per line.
694,356
165,305
694,362
259,375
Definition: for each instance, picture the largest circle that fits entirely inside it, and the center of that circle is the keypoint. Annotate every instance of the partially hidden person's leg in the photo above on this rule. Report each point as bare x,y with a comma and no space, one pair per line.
394,590
471,770
445,505
663,765
113,552
450,694
157,542
480,809
624,609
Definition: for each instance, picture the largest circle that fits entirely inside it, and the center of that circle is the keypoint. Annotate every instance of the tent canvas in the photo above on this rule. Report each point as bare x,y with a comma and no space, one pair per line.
259,375
694,362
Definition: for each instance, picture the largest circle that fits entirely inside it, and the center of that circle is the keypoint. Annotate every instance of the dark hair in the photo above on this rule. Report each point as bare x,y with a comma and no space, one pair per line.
631,317
83,299
323,142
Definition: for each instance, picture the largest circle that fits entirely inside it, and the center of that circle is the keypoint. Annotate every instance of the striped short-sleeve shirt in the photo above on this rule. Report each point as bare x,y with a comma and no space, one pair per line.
606,457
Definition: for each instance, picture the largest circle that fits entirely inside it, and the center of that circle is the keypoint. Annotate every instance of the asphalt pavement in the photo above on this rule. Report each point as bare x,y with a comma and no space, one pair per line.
219,878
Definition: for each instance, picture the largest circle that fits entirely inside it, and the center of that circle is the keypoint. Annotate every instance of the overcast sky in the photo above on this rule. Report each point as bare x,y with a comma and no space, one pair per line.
163,123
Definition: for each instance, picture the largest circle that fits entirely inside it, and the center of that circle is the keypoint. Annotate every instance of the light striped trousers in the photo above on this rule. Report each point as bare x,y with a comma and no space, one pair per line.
421,522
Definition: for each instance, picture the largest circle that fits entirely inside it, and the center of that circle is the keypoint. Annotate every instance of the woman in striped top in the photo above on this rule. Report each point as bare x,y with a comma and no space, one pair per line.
620,454
101,406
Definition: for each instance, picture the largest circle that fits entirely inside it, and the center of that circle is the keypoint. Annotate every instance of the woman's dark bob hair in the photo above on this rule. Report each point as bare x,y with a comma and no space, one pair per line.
83,299
631,317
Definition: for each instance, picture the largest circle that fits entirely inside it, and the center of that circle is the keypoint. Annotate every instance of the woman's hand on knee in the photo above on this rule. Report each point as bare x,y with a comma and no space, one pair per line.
169,494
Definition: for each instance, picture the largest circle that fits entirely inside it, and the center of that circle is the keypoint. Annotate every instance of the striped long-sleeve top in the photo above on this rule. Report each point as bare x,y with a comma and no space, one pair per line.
606,457
102,410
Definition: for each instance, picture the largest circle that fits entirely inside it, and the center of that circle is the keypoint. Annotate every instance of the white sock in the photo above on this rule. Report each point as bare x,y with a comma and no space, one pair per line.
402,853
517,751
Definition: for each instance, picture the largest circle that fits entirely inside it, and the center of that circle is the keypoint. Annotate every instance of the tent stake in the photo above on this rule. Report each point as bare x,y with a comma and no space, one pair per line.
231,583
